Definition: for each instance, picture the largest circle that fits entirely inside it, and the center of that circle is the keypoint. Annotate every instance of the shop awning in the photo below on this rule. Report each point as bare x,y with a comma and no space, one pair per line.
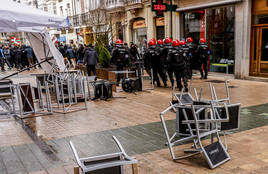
207,5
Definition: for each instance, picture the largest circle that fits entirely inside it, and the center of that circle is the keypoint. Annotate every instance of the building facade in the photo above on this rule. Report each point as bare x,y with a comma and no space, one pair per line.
236,30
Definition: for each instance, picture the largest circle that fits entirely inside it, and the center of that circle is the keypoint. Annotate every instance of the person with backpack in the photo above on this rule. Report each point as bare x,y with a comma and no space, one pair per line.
120,58
178,64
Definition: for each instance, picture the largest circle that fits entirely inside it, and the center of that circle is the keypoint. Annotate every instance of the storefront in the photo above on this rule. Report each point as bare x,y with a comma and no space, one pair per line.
139,32
259,39
217,25
160,27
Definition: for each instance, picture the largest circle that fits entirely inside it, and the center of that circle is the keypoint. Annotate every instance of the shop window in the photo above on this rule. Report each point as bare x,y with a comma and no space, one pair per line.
217,26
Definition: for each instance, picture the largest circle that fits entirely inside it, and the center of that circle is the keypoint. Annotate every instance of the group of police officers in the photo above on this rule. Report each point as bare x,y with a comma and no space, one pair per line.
167,58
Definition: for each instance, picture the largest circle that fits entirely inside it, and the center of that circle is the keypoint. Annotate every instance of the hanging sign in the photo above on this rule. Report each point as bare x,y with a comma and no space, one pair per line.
160,7
160,21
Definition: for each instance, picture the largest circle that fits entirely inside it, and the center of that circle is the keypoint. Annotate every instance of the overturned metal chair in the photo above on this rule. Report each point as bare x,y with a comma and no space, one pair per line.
198,129
105,164
233,110
7,98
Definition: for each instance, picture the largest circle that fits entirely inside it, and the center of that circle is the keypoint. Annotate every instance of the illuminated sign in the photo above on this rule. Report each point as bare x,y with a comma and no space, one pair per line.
159,7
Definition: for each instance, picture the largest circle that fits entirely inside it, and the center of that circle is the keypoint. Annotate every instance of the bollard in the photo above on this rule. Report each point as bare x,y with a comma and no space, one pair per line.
135,168
76,170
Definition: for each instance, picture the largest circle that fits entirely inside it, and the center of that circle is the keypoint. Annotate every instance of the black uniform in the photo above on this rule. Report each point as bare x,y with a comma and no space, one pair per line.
152,57
166,65
178,63
17,57
203,52
120,58
195,62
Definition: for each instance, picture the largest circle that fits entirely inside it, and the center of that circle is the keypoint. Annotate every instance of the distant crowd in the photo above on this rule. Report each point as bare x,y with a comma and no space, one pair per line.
20,57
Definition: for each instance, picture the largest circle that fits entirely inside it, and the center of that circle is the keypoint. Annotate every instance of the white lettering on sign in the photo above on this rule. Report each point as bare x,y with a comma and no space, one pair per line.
214,151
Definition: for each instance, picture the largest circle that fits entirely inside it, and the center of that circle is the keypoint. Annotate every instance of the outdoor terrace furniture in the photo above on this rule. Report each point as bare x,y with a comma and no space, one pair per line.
224,63
105,164
198,129
7,99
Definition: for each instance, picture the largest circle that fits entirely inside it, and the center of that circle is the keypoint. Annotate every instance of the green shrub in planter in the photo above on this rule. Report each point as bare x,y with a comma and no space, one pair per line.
104,57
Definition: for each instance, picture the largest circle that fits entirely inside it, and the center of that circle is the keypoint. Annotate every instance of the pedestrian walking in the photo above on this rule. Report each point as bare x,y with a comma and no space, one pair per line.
90,59
17,57
7,54
71,55
2,59
80,54
29,55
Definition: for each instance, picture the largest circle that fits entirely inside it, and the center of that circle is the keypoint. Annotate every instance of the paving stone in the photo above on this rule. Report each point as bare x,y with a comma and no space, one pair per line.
12,161
29,161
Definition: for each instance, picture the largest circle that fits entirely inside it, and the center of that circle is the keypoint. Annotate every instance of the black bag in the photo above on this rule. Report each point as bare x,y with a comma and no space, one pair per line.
107,90
131,85
102,90
97,90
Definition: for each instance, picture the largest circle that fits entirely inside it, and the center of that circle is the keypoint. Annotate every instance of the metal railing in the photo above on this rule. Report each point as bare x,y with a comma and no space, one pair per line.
131,2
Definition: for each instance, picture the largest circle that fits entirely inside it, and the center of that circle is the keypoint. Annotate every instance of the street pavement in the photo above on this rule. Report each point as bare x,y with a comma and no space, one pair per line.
40,145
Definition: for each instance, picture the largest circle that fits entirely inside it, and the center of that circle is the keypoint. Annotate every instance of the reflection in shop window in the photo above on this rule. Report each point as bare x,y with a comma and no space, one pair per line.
217,26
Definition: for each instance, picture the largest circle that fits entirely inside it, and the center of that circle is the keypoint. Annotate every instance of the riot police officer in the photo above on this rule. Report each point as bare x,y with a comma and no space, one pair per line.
177,61
187,57
151,59
164,55
203,52
161,68
195,63
120,58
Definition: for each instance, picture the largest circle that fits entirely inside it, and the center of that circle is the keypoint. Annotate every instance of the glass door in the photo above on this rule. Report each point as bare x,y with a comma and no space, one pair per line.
263,49
259,52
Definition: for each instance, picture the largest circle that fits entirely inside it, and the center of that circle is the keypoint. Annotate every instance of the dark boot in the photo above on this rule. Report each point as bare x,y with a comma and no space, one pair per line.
165,84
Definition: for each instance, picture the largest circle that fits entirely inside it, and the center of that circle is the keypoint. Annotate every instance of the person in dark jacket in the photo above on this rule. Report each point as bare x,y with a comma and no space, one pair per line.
134,52
29,54
80,54
90,59
7,54
71,55
17,56
62,50
2,59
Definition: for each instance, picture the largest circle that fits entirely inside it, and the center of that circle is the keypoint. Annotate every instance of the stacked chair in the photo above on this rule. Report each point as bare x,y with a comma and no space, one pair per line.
105,164
197,119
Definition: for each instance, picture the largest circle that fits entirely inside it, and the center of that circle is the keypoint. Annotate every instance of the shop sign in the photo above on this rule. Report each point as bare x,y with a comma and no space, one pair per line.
139,24
63,39
160,7
160,21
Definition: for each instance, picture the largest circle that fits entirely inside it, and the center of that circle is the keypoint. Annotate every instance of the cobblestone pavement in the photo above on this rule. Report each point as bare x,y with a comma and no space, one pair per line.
135,122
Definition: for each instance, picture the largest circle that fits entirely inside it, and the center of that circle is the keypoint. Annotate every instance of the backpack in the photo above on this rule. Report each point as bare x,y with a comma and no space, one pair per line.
177,59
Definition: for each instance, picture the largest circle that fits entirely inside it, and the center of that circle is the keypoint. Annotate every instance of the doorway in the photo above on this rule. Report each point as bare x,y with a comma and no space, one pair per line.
259,52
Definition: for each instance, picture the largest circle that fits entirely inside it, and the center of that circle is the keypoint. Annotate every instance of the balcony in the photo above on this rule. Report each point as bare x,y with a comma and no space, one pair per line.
133,4
91,18
80,20
113,6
